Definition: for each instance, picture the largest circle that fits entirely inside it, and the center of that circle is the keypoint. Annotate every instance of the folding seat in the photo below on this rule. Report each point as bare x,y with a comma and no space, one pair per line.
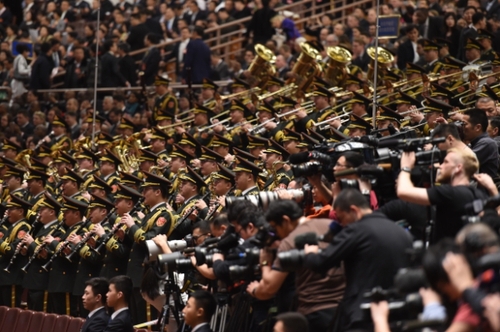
23,321
62,323
75,324
48,322
3,311
37,321
10,320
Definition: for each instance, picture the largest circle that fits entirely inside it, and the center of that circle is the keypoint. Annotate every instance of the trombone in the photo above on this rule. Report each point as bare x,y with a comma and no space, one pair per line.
219,98
180,123
241,124
286,89
308,105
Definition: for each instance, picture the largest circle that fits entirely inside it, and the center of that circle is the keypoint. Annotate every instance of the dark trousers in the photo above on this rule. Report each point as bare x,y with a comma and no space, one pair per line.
36,299
321,320
63,304
10,296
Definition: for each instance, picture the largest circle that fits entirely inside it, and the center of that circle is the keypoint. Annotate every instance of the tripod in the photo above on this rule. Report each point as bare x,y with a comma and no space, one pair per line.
172,295
219,319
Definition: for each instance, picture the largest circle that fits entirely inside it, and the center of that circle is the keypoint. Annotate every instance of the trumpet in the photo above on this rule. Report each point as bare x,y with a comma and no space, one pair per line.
327,121
200,130
241,124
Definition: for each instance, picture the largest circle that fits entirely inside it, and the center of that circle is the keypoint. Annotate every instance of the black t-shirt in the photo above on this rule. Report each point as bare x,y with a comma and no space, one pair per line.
450,204
414,214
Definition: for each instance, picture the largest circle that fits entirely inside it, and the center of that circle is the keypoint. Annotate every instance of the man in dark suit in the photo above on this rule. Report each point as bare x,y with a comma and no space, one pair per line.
195,13
362,246
138,31
127,64
75,69
178,51
428,26
407,51
118,298
199,310
94,299
23,121
110,74
197,58
151,61
153,25
42,69
5,14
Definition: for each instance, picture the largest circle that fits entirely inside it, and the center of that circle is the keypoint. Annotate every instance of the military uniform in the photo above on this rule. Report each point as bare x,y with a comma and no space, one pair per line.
166,103
10,283
117,247
62,273
36,279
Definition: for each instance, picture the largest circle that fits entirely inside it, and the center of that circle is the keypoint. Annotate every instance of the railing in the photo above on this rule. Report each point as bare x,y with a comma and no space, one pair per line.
229,45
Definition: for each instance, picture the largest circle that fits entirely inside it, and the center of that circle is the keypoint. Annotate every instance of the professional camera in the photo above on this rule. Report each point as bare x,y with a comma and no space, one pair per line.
264,237
264,198
175,261
248,270
174,245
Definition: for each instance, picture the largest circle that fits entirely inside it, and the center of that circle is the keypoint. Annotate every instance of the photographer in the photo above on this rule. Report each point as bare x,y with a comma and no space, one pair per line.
454,175
323,206
346,161
372,249
475,241
449,132
317,295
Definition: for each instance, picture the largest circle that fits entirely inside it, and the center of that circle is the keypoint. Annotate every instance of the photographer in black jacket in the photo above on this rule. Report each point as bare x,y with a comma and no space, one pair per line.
372,249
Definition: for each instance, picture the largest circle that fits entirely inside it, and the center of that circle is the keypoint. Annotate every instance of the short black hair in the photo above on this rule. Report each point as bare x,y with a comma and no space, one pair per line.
124,47
410,27
235,209
149,284
99,287
123,284
203,225
445,129
278,209
477,17
107,45
353,159
432,261
199,31
45,47
219,221
206,301
21,48
348,197
477,116
293,322
250,216
495,122
153,38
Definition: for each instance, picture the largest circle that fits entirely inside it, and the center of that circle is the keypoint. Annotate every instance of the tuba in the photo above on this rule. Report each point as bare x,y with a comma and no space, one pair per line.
336,69
262,67
385,58
306,67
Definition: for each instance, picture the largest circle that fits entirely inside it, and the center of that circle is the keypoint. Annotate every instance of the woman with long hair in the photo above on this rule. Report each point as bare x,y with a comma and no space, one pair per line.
452,33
